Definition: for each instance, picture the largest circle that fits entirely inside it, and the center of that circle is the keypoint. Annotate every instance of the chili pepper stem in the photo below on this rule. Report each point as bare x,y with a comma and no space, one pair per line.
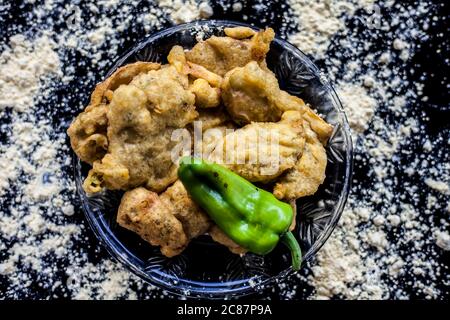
296,253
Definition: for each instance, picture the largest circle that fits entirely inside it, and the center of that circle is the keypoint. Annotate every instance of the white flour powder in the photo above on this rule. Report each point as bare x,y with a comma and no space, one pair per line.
23,64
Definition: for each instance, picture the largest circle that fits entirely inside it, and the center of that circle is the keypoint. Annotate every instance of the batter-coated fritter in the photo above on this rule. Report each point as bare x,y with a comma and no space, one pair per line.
222,54
261,151
317,124
212,136
195,222
251,93
309,171
169,220
88,131
142,117
239,32
143,212
211,118
205,95
177,58
126,134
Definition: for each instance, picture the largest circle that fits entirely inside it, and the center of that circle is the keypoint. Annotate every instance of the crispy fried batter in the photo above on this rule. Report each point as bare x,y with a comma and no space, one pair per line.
250,94
220,237
126,134
142,117
222,54
205,95
177,58
170,220
143,212
293,204
199,72
88,131
239,32
309,171
317,124
260,44
212,136
195,222
211,118
261,151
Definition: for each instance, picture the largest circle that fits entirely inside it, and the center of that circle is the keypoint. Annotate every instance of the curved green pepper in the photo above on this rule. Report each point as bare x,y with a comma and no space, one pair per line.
250,216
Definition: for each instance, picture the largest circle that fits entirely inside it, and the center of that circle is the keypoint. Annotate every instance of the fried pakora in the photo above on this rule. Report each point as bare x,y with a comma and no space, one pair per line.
141,119
222,54
143,212
206,96
195,222
261,151
309,171
250,94
88,131
247,123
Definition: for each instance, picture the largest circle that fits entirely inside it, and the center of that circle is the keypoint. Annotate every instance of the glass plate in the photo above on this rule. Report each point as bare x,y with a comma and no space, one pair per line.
205,268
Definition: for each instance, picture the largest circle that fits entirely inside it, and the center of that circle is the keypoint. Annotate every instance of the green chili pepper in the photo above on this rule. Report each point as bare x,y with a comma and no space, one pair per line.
250,216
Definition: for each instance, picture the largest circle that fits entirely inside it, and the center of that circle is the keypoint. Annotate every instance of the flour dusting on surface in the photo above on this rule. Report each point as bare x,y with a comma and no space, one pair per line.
23,64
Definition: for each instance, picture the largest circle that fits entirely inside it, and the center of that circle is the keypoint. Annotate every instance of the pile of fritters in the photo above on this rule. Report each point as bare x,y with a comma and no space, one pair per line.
125,133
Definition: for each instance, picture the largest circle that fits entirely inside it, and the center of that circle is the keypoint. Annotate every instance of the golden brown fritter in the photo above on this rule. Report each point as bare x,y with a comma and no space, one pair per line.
169,220
126,134
88,131
177,58
309,171
142,117
219,236
199,72
214,135
169,100
293,204
317,124
250,93
211,118
239,32
195,222
261,151
205,95
222,54
144,213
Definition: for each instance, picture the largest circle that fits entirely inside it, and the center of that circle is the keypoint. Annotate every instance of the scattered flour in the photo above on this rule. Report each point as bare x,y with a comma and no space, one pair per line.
443,240
319,21
440,186
182,11
359,105
22,65
367,246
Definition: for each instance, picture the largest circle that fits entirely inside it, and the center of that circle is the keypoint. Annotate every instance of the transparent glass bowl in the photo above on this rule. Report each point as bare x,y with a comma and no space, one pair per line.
205,268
